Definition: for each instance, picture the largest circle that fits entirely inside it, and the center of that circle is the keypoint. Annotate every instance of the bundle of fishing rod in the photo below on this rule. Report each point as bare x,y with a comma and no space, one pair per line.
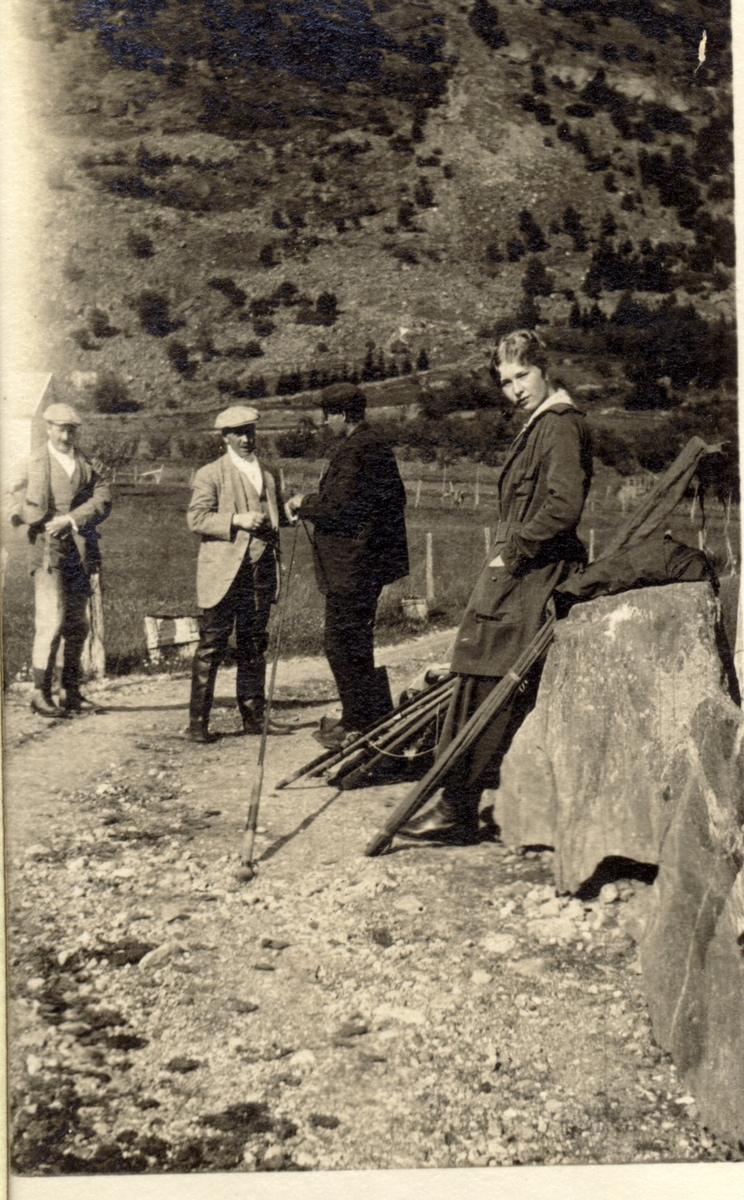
409,731
424,723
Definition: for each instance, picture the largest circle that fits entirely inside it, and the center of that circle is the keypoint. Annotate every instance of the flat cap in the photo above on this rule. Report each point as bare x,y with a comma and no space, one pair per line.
61,414
236,417
335,397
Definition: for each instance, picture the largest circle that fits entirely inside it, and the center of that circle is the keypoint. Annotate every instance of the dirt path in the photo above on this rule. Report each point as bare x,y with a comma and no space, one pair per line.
433,1007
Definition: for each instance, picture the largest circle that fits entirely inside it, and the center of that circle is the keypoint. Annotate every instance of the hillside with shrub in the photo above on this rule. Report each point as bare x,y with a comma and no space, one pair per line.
250,200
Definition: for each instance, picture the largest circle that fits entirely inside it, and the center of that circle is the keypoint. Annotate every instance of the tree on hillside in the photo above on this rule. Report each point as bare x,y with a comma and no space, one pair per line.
536,280
533,234
484,22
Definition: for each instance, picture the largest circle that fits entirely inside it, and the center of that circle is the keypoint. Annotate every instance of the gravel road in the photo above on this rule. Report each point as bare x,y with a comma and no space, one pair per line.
433,1007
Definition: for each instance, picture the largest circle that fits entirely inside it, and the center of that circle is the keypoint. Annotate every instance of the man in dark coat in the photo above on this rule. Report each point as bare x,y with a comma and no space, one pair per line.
360,545
542,488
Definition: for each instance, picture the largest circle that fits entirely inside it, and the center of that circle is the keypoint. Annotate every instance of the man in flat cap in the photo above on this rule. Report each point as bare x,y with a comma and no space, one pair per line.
62,499
360,545
235,508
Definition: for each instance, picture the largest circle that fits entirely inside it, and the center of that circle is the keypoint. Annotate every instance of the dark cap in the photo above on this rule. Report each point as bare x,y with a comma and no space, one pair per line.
341,396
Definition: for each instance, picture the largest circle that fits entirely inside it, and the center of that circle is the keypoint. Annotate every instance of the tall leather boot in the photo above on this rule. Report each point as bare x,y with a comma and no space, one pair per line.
253,710
452,821
41,701
73,700
203,676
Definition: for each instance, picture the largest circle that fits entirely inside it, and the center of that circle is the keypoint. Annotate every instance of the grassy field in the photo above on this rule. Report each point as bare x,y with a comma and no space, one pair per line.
150,559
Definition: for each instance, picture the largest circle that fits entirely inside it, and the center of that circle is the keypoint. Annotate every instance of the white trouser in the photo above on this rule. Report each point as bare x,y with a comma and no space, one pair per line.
59,613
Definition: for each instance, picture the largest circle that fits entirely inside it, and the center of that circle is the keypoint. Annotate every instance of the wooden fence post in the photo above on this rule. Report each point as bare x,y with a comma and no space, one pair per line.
487,538
476,499
429,570
418,494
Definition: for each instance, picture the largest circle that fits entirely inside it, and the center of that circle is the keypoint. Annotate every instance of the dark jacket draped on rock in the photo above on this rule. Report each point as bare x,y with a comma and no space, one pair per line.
358,515
542,489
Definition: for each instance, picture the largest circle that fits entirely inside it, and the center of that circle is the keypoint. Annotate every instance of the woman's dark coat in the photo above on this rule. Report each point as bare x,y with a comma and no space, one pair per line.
358,514
542,489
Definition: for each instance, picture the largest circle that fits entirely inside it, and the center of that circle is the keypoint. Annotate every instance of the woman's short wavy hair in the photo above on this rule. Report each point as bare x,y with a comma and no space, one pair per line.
521,346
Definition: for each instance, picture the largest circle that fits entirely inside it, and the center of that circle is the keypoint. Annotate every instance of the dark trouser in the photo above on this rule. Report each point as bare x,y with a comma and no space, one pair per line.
247,606
480,767
349,647
61,598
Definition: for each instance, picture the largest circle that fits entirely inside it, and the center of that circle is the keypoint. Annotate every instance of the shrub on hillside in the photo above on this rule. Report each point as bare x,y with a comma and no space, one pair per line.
196,449
140,245
300,442
248,350
533,234
484,22
288,384
671,340
424,193
482,439
229,288
253,388
113,447
178,356
324,313
460,395
614,451
536,280
653,448
100,326
112,396
153,314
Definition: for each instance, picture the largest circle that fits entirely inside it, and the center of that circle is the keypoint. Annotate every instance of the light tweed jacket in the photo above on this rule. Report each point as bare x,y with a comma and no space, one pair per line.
32,503
219,491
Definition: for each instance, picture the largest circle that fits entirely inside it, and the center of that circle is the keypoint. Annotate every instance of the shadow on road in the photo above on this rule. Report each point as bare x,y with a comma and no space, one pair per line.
304,824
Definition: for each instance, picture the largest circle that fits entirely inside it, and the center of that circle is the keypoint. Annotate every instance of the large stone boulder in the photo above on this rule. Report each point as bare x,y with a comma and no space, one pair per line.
636,749
692,944
590,770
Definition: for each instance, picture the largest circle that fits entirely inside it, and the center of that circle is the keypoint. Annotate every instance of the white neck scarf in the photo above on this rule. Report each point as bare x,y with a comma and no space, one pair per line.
66,461
559,397
250,467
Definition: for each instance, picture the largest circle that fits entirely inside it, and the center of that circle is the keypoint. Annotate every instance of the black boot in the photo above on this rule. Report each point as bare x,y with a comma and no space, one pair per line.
73,700
203,676
333,734
41,701
451,823
252,711
199,732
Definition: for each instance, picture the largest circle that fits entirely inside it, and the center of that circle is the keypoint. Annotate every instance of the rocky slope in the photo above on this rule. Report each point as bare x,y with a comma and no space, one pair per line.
241,192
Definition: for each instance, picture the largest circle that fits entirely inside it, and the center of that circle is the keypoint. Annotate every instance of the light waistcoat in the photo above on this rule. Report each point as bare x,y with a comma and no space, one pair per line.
220,491
62,487
257,503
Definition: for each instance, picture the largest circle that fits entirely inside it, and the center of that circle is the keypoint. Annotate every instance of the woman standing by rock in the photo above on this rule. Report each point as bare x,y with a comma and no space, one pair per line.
542,488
